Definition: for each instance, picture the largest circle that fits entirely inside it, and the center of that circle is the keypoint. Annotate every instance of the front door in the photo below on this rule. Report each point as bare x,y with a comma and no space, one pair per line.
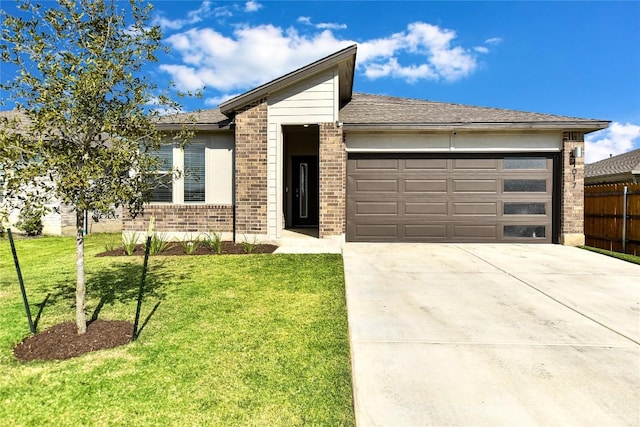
305,191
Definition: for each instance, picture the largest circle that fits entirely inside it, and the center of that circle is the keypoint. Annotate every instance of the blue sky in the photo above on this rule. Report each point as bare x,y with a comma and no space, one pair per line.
576,59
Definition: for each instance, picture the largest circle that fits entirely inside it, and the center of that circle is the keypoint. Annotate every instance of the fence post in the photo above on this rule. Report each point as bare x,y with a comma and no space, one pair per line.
624,220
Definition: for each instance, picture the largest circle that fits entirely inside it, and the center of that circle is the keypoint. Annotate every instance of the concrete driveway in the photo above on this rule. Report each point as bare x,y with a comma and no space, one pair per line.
486,335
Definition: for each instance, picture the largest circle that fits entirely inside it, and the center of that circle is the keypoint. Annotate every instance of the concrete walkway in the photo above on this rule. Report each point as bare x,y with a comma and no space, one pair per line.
486,335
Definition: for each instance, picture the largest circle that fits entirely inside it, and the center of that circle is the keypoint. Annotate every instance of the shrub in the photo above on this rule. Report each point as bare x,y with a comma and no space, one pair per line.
30,220
190,246
159,243
129,243
213,241
247,246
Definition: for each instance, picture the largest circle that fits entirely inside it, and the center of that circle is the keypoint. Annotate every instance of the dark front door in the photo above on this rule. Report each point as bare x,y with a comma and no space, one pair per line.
305,191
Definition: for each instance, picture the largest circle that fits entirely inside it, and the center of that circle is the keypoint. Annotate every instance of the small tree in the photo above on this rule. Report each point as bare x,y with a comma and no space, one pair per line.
85,128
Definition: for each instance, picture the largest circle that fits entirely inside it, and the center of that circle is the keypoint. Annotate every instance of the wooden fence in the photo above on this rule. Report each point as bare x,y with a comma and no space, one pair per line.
605,221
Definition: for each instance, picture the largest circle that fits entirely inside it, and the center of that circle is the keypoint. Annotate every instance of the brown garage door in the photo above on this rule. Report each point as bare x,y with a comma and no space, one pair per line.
395,198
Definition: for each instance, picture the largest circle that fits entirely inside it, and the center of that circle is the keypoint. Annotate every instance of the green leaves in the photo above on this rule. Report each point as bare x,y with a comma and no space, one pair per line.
84,101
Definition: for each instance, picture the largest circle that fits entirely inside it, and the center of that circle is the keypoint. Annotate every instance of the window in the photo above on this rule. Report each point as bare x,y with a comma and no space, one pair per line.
206,166
525,163
525,185
532,208
163,181
194,172
530,231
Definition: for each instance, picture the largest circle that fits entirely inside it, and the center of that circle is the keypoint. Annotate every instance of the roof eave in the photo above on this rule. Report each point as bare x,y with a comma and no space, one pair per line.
229,107
586,127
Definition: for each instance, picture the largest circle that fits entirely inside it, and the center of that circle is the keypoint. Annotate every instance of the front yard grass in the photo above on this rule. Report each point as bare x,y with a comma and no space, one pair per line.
626,257
251,340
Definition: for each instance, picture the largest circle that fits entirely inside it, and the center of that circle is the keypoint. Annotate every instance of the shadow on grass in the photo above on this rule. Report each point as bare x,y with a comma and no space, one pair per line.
118,282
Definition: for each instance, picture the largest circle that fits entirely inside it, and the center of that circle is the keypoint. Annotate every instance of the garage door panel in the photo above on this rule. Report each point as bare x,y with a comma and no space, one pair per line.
376,208
425,186
426,165
376,185
432,209
475,208
475,164
453,199
377,232
474,232
369,165
475,185
425,231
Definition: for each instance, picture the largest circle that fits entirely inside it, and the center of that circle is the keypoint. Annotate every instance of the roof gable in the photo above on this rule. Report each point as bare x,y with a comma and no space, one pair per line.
345,59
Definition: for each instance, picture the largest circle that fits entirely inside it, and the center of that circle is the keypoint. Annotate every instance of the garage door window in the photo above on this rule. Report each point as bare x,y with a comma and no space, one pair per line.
525,163
515,208
525,185
520,231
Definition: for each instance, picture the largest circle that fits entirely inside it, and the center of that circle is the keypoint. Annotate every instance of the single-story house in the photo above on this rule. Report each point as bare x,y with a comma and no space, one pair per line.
623,168
304,150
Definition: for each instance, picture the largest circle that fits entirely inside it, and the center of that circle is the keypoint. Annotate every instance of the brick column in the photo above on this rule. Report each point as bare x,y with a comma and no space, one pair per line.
572,215
333,178
251,168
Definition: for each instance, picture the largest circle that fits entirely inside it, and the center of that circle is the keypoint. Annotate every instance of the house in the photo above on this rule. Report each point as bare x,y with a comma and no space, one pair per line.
60,220
623,168
305,151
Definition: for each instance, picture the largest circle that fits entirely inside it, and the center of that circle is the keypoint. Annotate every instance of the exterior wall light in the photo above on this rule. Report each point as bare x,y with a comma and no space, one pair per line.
576,153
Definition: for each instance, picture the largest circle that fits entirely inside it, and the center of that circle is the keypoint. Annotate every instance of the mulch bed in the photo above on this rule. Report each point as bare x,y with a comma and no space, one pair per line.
62,341
176,249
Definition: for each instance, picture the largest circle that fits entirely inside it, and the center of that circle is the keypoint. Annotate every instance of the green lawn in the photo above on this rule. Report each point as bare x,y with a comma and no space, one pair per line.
253,340
626,257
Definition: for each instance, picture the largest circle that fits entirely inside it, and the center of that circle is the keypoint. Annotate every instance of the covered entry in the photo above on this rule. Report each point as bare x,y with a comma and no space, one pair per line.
301,176
450,198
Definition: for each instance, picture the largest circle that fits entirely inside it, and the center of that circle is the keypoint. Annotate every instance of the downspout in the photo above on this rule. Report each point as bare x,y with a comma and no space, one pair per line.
235,184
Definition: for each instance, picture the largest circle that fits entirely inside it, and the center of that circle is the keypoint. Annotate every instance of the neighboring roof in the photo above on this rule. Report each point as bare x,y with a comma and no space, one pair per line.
345,59
378,112
621,168
211,119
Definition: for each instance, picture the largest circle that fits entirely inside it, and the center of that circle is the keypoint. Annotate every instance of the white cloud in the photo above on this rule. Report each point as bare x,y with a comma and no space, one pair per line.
481,49
217,100
323,25
253,55
252,6
429,46
493,40
193,17
616,139
250,56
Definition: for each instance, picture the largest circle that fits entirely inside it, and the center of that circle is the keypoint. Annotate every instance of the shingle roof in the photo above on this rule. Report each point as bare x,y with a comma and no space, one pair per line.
384,111
211,119
622,164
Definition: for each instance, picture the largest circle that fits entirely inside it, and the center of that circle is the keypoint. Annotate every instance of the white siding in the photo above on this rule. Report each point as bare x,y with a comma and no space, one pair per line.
310,101
219,166
467,142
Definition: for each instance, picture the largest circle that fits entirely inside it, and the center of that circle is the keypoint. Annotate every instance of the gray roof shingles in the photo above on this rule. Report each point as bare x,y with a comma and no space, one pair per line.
626,163
379,109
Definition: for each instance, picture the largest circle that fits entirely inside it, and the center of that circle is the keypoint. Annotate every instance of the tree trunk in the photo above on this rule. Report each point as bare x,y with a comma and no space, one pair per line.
81,290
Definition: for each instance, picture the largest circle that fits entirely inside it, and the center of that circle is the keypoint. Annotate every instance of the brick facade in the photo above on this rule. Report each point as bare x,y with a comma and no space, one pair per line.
572,207
182,218
251,168
333,178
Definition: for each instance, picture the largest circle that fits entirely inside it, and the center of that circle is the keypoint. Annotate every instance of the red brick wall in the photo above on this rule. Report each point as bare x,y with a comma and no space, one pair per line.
182,218
333,178
251,168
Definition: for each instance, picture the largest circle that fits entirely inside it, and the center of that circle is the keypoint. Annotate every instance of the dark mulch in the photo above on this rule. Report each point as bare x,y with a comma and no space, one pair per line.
63,342
176,249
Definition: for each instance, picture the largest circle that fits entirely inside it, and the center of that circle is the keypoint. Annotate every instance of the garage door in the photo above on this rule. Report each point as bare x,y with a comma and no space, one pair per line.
468,198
